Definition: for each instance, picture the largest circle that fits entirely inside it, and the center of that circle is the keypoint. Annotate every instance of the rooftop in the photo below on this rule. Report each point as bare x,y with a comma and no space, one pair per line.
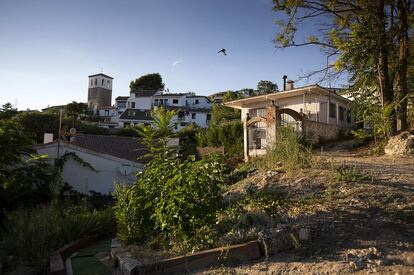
173,94
121,147
135,114
101,74
240,103
122,98
145,93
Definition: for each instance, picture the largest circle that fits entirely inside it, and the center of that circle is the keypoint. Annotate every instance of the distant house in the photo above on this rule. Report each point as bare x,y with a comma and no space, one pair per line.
109,116
316,113
141,100
121,103
191,109
134,117
114,158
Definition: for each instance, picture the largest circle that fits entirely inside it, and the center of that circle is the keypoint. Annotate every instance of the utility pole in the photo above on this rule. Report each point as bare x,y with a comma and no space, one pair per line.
60,129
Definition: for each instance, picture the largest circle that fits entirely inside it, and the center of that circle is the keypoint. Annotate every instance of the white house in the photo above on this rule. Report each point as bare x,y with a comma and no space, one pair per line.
190,108
113,158
121,103
109,116
133,117
141,100
317,113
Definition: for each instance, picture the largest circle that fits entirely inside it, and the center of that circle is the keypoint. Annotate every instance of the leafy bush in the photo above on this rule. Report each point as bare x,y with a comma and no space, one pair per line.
127,132
23,183
228,135
32,234
171,200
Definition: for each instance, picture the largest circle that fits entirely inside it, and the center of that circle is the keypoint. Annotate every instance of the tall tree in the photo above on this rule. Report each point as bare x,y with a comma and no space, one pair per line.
404,10
266,86
7,111
147,82
74,109
360,35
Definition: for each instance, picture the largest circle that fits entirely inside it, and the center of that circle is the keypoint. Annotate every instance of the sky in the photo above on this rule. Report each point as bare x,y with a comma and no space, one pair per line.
49,47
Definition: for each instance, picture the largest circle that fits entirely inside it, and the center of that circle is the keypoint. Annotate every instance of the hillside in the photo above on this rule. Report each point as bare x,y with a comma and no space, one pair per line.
352,213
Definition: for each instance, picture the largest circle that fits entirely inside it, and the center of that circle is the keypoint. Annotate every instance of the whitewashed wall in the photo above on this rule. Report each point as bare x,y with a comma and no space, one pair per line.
83,179
203,103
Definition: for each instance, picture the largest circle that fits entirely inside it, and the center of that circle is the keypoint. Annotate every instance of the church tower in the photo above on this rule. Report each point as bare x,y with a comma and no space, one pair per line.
99,91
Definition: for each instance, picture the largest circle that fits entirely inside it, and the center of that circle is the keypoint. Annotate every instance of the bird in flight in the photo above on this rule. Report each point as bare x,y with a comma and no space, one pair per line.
222,51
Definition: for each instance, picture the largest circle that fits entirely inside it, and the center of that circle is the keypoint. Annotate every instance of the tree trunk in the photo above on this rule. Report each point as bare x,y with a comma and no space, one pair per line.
401,80
387,93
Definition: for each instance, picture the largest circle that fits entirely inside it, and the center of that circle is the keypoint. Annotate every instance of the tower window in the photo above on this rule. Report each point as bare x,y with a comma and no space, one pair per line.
103,81
96,81
91,82
108,84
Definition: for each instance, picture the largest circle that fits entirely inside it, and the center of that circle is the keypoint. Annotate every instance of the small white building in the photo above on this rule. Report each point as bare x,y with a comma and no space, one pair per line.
134,117
141,100
186,116
109,116
121,103
113,158
191,109
316,113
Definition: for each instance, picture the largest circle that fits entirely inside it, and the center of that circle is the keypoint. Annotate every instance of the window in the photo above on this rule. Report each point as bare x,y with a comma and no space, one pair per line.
91,82
103,81
341,111
108,84
106,112
193,115
332,110
133,105
348,116
96,81
196,101
131,113
180,114
261,112
175,101
208,117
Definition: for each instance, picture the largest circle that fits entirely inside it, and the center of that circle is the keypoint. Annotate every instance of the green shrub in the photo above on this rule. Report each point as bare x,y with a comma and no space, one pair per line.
228,135
345,173
171,200
32,234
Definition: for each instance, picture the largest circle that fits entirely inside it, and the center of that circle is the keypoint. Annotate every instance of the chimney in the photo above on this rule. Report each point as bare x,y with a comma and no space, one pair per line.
289,85
284,82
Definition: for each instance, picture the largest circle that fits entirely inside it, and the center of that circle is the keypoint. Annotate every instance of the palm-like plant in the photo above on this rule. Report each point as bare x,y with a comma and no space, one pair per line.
162,121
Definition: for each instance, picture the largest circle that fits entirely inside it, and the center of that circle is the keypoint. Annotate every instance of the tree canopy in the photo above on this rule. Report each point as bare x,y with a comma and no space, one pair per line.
147,82
7,111
74,109
266,86
367,39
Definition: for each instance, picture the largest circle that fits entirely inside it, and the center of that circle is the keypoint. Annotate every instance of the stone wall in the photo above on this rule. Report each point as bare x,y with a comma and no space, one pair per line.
317,132
99,97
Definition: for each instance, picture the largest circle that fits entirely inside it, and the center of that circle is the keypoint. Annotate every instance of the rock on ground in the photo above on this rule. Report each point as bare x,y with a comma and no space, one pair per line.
402,144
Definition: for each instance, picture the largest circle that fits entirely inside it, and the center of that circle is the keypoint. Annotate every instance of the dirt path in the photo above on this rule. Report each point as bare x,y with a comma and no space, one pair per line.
366,227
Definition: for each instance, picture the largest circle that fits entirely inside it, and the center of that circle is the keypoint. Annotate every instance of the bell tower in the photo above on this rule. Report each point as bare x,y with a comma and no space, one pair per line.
99,91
